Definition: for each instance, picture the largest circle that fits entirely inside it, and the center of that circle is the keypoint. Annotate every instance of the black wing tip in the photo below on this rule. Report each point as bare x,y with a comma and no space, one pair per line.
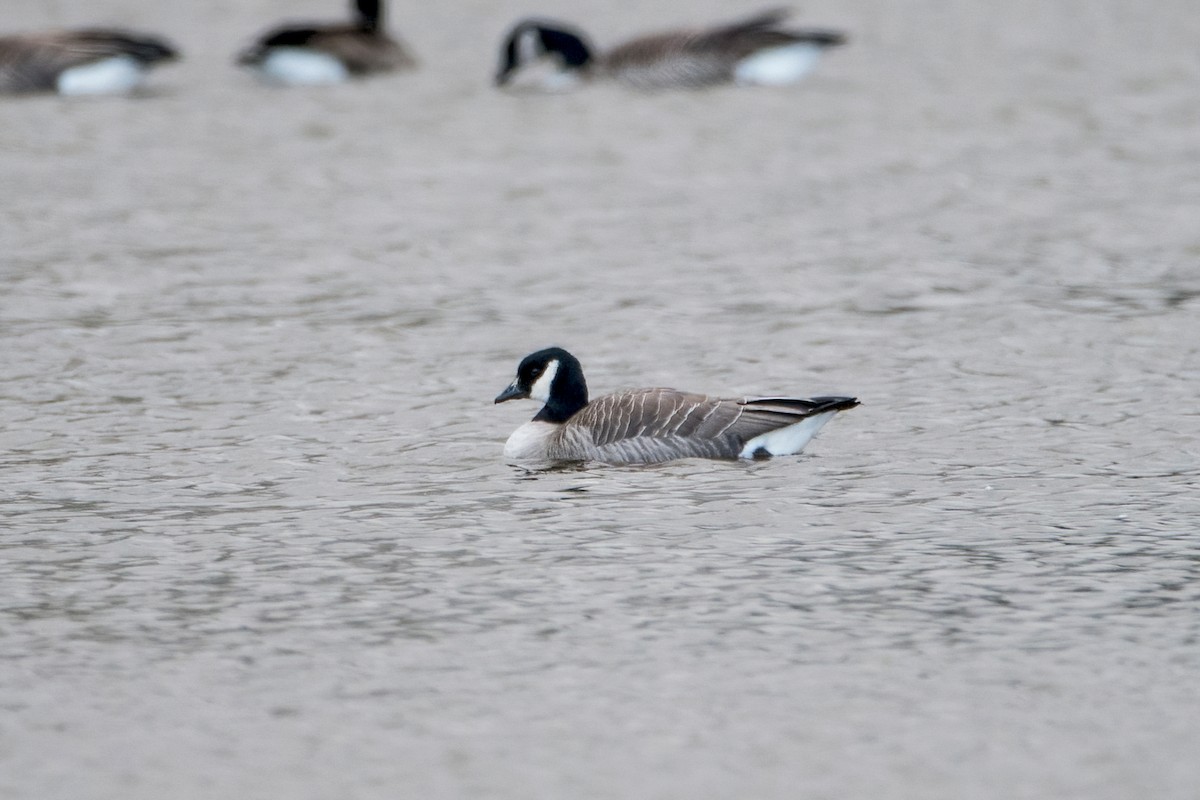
767,17
145,47
834,403
774,18
811,405
825,38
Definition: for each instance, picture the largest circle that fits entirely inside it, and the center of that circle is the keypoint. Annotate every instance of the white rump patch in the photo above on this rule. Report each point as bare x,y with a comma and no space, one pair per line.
540,390
297,66
787,441
778,66
107,76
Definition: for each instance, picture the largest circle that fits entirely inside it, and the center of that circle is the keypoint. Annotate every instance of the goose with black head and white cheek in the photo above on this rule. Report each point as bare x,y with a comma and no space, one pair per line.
648,426
90,61
318,54
546,55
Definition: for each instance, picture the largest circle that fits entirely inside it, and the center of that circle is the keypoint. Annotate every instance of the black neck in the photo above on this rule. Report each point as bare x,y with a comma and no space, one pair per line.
569,45
568,393
370,14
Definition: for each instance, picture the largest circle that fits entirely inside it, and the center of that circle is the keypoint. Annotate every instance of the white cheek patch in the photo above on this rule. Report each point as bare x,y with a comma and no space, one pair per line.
540,390
529,46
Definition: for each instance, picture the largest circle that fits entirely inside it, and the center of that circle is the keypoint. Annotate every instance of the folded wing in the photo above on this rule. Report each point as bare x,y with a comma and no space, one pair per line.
647,425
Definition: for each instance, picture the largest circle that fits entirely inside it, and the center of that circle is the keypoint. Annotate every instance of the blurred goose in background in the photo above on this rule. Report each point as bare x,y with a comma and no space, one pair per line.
79,62
307,54
645,426
543,54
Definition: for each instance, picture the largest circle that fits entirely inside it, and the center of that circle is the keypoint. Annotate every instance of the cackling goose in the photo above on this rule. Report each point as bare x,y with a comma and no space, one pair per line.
652,425
324,54
543,54
79,62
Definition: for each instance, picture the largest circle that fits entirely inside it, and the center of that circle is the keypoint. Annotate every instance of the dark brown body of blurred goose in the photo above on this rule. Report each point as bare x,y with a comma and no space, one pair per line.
758,50
79,62
308,54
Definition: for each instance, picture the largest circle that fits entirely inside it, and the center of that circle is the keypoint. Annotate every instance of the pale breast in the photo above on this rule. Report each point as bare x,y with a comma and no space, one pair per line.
530,442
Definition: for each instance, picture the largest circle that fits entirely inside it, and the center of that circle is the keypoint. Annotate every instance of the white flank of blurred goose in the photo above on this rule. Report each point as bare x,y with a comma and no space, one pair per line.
79,62
308,54
543,54
646,426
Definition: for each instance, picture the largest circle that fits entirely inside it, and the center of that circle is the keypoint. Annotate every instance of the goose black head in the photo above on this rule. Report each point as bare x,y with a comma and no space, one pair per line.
532,41
553,377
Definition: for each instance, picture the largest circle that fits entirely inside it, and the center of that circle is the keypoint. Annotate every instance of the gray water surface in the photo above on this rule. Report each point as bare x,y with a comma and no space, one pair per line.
258,539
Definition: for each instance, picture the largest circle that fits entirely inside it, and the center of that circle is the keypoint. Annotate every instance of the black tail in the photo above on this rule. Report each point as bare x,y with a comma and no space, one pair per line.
146,49
764,30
